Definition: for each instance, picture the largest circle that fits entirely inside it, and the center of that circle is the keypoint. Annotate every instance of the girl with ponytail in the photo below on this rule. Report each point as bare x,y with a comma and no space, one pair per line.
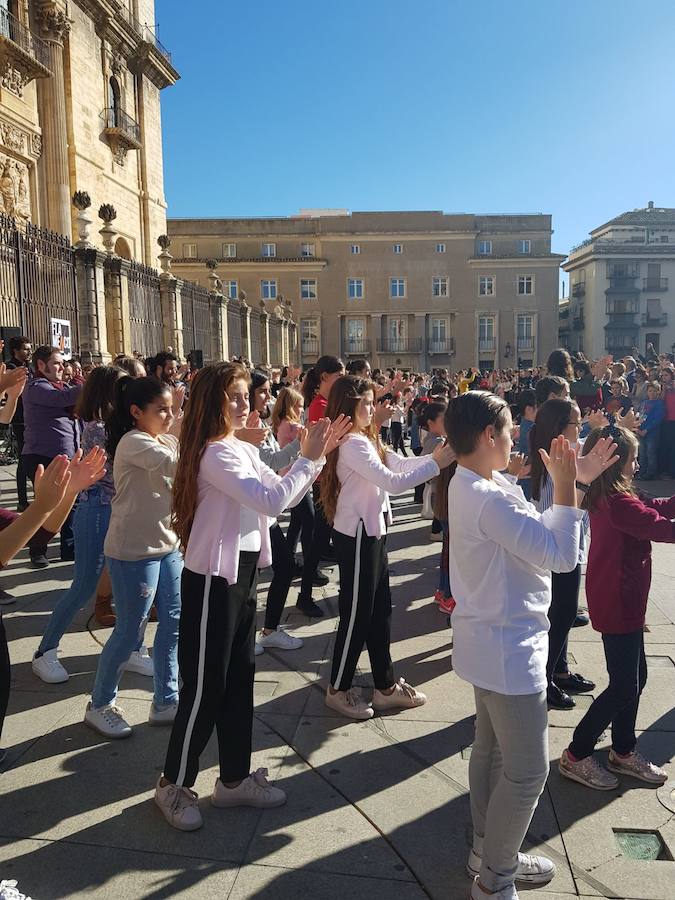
355,489
141,550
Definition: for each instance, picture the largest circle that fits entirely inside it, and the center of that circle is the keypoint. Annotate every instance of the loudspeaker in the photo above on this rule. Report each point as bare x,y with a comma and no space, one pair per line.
196,357
5,335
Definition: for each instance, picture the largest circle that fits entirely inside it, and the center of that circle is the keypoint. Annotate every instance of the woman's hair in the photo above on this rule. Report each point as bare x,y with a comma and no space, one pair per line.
441,491
550,384
258,379
612,480
131,365
345,396
430,412
95,403
551,420
468,415
287,400
581,368
129,392
326,365
559,363
206,419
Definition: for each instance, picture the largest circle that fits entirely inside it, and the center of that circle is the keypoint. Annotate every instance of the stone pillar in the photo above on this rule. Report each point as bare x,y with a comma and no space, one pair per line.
91,301
172,318
216,305
246,331
284,343
54,25
114,304
225,327
265,337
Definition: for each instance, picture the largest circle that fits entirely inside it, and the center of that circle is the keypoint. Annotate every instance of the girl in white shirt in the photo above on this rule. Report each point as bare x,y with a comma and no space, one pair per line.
355,488
223,498
502,552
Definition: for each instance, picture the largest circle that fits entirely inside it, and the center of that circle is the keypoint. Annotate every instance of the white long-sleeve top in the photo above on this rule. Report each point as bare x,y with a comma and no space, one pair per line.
366,483
232,475
502,553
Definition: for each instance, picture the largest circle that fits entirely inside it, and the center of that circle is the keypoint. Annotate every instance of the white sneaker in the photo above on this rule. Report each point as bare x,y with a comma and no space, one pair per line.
507,893
108,721
140,662
48,668
163,715
350,704
280,640
179,806
8,891
258,648
254,790
404,696
531,869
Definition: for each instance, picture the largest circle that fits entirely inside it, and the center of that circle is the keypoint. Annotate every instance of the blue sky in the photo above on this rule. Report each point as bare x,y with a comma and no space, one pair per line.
530,106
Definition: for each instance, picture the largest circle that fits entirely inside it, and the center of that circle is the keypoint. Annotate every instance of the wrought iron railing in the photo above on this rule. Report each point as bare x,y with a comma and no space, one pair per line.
579,289
116,119
444,345
487,345
357,346
145,32
657,320
525,343
654,284
400,345
309,347
12,28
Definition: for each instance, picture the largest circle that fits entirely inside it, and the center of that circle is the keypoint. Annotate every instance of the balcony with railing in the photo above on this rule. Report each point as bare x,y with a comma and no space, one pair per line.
578,322
21,50
655,319
525,344
654,284
144,32
444,345
309,346
622,307
399,345
621,284
620,322
579,289
487,345
120,129
357,346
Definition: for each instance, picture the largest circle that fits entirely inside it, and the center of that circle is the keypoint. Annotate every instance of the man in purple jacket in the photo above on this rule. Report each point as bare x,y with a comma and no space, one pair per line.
50,428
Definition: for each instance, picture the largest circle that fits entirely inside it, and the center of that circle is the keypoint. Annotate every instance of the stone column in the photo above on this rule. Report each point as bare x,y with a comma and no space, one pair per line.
169,293
246,331
91,301
217,325
113,304
284,343
265,337
54,25
225,327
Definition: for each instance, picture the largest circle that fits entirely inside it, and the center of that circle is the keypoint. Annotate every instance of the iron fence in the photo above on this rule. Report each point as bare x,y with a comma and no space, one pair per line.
145,310
256,342
196,306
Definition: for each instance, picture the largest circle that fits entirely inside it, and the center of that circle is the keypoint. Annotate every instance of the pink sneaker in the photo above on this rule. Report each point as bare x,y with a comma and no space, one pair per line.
636,765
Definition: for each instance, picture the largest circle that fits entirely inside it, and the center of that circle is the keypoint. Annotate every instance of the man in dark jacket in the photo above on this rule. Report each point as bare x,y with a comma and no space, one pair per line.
20,351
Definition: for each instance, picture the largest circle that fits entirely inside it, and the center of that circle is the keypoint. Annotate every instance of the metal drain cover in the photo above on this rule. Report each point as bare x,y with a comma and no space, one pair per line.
645,845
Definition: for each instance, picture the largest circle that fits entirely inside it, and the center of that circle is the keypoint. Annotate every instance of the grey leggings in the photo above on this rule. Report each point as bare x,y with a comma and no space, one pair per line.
507,773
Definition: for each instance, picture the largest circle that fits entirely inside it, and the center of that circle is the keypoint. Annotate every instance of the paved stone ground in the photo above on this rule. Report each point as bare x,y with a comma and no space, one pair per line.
375,810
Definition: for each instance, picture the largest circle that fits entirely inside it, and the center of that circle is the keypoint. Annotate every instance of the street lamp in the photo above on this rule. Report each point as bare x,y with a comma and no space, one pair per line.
507,350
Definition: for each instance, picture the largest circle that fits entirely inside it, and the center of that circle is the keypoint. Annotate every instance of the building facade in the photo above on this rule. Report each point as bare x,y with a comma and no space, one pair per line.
414,290
80,86
622,286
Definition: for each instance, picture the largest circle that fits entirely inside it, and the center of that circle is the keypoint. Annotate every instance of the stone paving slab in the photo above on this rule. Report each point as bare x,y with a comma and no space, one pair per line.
376,810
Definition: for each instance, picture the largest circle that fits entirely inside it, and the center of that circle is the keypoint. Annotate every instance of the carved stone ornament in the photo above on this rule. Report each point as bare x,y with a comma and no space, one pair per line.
119,151
164,241
107,212
81,200
12,137
36,145
14,79
54,22
14,189
117,64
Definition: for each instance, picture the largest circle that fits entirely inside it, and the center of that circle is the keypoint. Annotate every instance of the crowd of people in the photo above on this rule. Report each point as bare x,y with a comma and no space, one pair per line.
171,487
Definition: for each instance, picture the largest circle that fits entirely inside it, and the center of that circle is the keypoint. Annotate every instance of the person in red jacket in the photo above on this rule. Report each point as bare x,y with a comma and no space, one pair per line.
618,578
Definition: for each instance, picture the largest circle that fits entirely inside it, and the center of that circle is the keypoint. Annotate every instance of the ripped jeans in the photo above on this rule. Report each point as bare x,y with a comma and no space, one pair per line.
136,586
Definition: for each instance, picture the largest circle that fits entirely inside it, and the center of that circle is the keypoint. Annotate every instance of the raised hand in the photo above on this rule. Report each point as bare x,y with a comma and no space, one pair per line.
314,445
253,420
560,462
86,471
338,432
177,397
596,419
443,455
601,457
382,413
516,465
630,420
14,380
253,436
51,483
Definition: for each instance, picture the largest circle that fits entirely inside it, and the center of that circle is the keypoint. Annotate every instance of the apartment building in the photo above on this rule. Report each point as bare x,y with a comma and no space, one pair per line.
622,286
415,290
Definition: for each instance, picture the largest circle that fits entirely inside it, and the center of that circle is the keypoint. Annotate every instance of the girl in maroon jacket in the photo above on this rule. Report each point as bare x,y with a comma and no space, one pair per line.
618,577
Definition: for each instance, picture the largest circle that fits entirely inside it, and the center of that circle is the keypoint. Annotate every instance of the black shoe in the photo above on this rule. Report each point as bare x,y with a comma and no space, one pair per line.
297,570
320,580
558,699
581,620
39,561
68,555
573,684
309,608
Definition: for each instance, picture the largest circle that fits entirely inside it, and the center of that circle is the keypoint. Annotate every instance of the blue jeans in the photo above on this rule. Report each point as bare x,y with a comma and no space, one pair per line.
137,584
90,525
649,454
